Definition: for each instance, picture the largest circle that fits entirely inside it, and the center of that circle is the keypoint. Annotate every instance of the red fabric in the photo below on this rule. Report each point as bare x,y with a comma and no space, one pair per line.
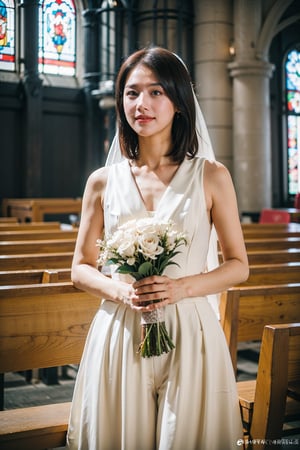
274,216
297,201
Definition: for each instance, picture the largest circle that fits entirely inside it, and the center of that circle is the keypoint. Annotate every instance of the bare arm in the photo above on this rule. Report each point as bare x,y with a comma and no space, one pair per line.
85,274
222,208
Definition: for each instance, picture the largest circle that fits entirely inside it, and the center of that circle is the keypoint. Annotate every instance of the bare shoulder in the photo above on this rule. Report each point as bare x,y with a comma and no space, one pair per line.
97,179
216,174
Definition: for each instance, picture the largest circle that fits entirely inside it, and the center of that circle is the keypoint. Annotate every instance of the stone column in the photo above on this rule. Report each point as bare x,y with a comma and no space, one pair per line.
91,75
251,111
213,31
33,93
251,134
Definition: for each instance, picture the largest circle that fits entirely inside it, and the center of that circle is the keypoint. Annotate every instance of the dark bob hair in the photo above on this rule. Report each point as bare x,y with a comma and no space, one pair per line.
175,80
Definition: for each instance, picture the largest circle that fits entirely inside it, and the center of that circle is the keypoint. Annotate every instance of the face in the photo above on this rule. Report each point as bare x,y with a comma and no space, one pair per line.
147,108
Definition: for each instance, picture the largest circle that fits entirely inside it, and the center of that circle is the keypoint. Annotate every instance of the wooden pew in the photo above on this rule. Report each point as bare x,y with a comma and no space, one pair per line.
264,274
292,226
256,230
265,243
244,311
34,276
30,226
37,246
271,256
257,234
29,235
36,261
41,326
8,220
259,275
271,402
34,209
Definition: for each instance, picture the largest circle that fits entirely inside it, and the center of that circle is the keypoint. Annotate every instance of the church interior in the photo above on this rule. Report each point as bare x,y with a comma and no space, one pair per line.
58,65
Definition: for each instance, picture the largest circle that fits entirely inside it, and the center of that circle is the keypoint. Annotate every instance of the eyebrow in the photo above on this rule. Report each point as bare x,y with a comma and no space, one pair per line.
136,85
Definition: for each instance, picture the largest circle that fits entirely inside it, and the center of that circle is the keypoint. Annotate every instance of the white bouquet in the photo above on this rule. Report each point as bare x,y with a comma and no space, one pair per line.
143,248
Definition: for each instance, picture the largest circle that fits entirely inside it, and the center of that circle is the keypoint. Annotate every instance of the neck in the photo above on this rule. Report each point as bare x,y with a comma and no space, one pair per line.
152,152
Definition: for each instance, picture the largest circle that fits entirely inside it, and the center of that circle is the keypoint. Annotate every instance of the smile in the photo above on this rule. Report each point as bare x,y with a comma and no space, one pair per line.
144,119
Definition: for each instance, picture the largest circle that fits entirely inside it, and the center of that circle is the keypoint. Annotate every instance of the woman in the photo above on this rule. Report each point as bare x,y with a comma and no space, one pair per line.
185,398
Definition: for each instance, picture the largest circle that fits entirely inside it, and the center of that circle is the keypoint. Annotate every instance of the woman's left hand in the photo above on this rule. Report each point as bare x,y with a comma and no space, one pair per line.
155,292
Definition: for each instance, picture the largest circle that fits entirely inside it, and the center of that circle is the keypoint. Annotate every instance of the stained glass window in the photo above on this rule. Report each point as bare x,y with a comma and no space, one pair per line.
292,75
7,35
57,37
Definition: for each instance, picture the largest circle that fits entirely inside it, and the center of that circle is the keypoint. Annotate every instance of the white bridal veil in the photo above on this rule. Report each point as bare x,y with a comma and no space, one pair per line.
204,150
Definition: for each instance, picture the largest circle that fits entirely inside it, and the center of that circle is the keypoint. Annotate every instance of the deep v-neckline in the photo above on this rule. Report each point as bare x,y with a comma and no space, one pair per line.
162,197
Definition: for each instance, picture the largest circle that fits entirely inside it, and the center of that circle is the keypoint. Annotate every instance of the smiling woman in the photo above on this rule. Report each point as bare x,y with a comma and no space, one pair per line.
125,397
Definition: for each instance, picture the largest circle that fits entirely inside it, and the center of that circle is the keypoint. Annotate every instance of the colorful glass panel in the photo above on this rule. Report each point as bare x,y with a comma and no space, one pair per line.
57,37
292,75
7,35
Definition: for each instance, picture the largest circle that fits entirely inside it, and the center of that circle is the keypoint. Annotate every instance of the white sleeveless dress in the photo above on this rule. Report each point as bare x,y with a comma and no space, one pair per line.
185,399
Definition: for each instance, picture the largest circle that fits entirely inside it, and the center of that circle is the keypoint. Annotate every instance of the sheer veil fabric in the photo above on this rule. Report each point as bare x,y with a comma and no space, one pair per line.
205,150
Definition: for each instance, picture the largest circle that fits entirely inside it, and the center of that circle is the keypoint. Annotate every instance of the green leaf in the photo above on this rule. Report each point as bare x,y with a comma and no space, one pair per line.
146,269
125,268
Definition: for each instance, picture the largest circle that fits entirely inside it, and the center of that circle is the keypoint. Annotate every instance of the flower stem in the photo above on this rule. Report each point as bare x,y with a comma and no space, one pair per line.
154,340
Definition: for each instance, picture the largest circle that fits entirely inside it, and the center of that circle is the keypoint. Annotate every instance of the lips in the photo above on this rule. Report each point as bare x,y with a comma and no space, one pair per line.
143,119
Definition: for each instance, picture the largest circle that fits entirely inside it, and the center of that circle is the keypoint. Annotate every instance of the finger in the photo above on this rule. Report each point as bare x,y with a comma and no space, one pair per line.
154,279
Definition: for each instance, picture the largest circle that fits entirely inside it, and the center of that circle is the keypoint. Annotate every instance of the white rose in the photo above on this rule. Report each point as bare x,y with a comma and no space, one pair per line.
146,226
126,248
149,245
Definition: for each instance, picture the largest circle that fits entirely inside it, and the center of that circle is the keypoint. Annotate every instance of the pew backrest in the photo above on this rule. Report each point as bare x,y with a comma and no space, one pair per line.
29,235
34,276
265,243
278,374
244,311
30,226
273,256
43,325
263,274
270,227
37,246
36,261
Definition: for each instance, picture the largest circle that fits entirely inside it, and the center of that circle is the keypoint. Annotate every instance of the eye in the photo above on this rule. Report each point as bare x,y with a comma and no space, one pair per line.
156,92
131,93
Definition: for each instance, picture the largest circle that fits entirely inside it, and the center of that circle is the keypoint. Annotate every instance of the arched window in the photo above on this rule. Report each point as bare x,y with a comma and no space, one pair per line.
7,35
57,37
292,95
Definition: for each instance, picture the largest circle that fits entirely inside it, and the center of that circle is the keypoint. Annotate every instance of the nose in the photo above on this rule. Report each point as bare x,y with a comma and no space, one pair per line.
142,102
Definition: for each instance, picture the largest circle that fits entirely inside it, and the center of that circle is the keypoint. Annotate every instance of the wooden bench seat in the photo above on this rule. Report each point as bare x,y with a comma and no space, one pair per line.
34,427
41,325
